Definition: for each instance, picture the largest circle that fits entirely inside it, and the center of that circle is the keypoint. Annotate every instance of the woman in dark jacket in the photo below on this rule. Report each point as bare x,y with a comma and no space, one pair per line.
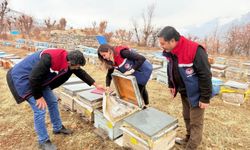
128,62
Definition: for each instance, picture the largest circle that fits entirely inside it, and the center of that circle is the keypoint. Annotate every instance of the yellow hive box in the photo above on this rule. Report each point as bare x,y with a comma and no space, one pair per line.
233,92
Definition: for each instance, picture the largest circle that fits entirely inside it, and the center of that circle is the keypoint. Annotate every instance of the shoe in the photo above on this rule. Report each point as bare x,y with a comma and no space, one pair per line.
63,130
181,141
47,146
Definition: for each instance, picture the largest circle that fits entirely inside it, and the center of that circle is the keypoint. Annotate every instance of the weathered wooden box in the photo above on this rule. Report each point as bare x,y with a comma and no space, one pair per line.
66,101
217,72
219,66
149,129
210,59
246,75
86,102
220,60
246,65
69,92
233,92
15,61
233,73
233,63
162,75
128,96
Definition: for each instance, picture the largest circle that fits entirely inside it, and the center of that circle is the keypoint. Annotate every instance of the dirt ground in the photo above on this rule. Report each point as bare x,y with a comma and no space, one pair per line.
226,126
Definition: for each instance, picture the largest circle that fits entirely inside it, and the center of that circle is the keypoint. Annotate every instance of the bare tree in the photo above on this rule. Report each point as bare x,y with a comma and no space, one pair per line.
147,23
231,40
120,34
94,24
9,24
26,23
108,36
102,27
154,36
245,39
3,11
214,41
123,35
62,23
49,25
37,32
136,30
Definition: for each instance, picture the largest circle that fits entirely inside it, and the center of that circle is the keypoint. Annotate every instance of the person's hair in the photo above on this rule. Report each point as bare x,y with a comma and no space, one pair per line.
105,48
169,33
76,58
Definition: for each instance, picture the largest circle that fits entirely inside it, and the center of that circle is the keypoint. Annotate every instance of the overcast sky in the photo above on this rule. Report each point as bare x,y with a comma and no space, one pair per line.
177,13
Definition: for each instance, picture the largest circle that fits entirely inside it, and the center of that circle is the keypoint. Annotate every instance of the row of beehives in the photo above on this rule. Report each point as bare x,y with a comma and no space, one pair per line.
7,61
230,69
137,128
29,45
159,67
74,40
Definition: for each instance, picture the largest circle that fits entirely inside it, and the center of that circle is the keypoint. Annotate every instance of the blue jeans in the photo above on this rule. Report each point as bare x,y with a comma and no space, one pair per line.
39,115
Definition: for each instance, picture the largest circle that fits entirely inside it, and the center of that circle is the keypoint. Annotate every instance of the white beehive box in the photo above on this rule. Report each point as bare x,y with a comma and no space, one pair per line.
246,65
73,80
69,92
86,102
233,92
217,72
128,95
233,63
233,73
72,89
219,66
149,129
162,77
220,60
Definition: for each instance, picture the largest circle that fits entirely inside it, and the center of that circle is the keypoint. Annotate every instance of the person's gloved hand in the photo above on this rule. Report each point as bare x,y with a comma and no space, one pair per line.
131,71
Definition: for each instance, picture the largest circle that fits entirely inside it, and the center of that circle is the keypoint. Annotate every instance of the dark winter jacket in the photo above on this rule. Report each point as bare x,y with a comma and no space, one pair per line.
126,59
192,80
30,76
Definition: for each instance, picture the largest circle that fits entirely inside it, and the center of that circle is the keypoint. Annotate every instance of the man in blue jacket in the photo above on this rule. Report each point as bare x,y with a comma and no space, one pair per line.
34,78
189,74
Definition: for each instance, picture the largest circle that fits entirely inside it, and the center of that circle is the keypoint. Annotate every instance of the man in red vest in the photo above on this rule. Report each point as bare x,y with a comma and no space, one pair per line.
34,78
189,74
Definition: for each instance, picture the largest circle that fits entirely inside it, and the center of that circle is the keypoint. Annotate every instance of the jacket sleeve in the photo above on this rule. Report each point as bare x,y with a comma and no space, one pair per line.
202,68
83,75
139,59
109,77
170,84
38,75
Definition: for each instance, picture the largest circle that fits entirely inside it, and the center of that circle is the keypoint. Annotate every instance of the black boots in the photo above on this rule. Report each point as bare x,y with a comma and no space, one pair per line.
47,146
63,130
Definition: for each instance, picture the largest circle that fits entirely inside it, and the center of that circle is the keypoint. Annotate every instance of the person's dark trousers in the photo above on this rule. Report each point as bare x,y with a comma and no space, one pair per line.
193,118
144,93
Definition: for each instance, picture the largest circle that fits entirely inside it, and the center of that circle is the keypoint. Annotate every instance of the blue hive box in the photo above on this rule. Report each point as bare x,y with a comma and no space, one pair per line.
216,86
